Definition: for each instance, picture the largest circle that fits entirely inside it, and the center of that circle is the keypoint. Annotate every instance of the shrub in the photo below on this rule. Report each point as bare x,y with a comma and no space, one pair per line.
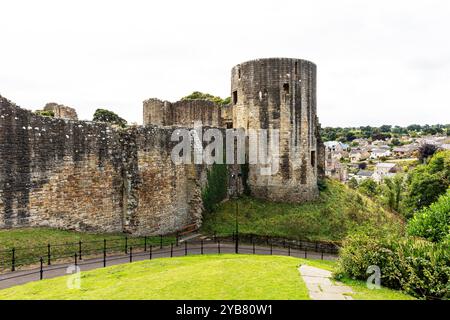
103,115
418,267
432,223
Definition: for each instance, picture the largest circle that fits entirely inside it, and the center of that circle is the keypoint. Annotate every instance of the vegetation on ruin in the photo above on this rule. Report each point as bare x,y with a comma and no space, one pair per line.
218,277
45,113
103,115
197,95
338,211
216,188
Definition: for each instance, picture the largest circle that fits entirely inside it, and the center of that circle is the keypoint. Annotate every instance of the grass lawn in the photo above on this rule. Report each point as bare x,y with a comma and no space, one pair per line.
338,210
31,244
218,277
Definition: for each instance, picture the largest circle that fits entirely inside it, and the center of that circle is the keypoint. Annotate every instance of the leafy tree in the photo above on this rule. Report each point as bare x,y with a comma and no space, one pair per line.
427,182
352,183
362,165
426,151
103,115
368,187
433,222
385,128
197,95
393,190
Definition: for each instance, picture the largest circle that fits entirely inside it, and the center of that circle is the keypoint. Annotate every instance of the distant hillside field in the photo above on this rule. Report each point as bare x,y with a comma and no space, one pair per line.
338,210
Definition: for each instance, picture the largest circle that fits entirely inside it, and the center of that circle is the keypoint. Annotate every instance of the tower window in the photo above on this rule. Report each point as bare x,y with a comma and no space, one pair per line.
239,73
235,97
286,88
313,158
295,68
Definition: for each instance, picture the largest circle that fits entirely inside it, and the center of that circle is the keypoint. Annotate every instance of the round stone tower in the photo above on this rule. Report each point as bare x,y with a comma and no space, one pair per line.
280,94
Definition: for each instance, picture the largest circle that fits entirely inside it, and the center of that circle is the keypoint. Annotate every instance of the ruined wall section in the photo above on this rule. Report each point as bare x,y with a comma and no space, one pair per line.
61,111
182,113
58,173
90,177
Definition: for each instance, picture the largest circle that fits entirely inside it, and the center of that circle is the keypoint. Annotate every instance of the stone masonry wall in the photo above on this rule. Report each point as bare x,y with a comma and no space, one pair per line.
91,177
182,113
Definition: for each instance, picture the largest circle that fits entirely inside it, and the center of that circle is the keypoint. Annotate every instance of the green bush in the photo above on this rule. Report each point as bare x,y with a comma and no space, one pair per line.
418,267
432,223
103,115
427,182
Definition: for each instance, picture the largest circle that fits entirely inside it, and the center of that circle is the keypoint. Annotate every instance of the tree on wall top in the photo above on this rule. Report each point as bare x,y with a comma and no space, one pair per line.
103,115
197,95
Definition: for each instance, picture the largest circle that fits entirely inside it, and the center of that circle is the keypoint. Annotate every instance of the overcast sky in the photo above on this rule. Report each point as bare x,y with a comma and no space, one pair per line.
379,62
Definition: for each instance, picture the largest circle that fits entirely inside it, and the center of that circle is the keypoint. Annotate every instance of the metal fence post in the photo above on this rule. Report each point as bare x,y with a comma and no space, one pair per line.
41,270
13,259
104,252
185,248
253,244
271,247
201,246
218,247
79,249
131,254
160,241
171,250
317,246
322,255
76,260
150,255
306,253
48,254
289,250
145,243
126,245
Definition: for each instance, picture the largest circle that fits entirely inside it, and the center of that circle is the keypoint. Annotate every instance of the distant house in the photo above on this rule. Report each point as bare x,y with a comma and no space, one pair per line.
363,175
384,170
357,155
378,153
334,151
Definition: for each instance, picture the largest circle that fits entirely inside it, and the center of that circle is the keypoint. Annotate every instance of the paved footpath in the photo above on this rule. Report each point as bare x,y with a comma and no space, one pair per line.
320,285
11,279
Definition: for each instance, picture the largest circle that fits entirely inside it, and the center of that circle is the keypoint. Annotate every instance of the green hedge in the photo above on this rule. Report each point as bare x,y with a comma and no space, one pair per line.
415,266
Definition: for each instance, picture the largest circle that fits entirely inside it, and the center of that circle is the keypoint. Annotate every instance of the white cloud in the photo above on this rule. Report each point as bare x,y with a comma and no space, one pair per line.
378,61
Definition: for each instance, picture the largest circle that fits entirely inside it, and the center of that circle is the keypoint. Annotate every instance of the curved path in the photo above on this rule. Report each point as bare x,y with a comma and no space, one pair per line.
209,247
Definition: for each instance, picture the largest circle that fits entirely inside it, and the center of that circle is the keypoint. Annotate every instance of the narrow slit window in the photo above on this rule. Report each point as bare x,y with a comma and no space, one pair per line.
235,97
295,68
239,73
286,88
313,158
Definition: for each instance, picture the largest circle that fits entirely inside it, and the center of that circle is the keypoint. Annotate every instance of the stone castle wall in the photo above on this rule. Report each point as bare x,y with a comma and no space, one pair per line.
182,113
89,176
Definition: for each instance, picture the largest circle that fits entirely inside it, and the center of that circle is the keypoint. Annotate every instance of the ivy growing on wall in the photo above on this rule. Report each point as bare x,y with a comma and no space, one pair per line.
217,188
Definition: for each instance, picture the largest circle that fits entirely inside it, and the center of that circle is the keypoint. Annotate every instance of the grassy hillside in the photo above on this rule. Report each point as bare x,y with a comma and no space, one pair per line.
338,210
218,277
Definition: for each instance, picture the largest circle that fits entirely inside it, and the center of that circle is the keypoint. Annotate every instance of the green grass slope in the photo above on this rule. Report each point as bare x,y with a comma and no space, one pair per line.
338,210
200,277
193,277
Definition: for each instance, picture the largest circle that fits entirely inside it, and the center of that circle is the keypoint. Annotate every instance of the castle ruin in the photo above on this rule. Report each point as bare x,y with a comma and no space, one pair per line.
91,176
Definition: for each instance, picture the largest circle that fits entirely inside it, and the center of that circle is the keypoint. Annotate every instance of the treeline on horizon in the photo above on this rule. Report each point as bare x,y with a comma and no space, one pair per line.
348,134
